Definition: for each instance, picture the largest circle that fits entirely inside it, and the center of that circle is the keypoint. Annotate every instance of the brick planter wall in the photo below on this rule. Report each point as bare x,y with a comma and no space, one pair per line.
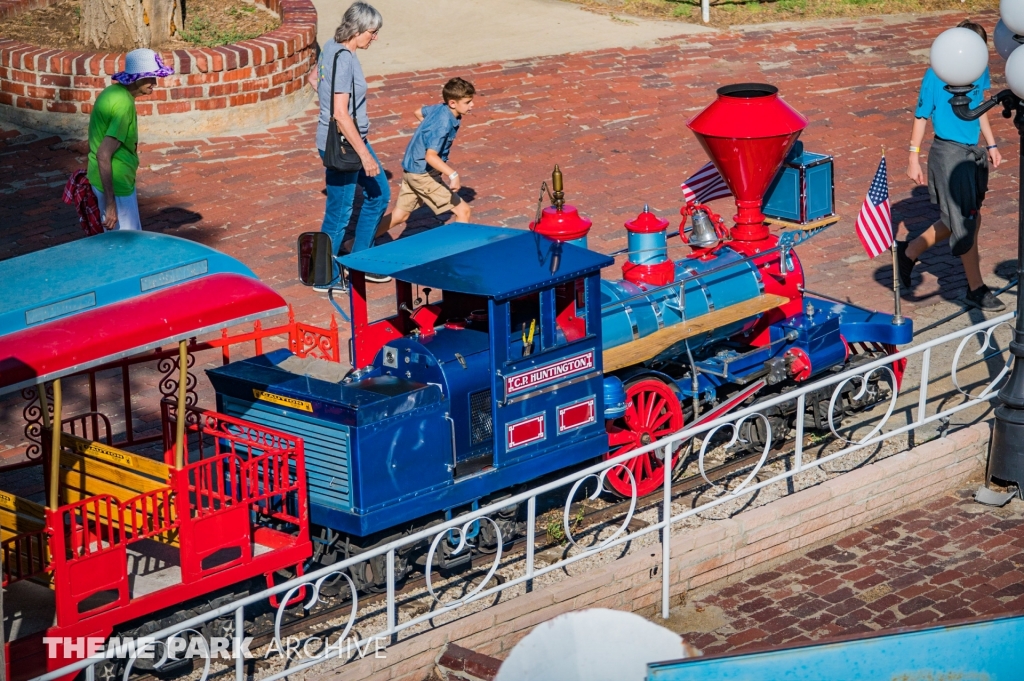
712,553
234,88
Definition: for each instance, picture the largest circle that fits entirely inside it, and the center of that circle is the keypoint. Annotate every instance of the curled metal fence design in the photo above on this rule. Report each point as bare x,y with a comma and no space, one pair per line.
726,431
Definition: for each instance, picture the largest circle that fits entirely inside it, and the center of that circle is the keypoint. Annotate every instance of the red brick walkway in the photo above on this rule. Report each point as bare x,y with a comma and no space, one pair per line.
948,560
615,122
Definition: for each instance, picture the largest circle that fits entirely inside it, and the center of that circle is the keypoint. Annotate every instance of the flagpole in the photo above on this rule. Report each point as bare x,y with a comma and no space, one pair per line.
897,317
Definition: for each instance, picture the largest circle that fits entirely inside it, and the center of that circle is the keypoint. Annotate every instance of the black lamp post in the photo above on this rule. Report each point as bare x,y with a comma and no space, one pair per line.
1006,453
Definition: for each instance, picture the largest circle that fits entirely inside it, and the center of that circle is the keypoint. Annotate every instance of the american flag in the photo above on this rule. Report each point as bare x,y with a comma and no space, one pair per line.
705,185
874,223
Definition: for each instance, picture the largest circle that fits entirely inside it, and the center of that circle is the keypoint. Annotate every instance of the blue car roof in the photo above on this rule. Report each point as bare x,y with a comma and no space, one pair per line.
496,262
78,275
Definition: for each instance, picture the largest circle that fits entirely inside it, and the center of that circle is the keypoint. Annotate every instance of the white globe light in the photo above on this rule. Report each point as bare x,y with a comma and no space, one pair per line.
959,56
1004,40
1012,12
1015,72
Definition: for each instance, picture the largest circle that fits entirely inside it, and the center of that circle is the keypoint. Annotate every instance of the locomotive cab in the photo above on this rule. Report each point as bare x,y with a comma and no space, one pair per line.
481,371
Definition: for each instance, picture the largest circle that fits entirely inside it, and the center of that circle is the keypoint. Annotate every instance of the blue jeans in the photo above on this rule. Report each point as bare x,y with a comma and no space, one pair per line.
341,194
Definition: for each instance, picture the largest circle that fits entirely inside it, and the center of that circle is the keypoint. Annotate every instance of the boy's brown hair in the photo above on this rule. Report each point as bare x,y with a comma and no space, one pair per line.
457,89
977,28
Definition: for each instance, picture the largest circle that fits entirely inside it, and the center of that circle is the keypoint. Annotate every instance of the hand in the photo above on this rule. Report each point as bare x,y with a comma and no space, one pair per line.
456,184
995,157
110,218
914,171
370,166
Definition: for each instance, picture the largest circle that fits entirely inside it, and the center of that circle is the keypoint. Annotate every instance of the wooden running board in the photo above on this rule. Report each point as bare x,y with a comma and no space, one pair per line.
650,346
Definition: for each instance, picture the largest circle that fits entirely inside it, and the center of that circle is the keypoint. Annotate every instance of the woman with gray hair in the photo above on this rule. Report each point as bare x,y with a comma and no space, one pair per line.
339,67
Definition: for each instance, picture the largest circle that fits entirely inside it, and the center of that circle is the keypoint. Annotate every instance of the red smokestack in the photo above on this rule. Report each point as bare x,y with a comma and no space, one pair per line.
747,132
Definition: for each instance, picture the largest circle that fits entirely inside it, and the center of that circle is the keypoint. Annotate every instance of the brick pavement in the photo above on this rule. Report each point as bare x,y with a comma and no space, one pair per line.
615,122
946,560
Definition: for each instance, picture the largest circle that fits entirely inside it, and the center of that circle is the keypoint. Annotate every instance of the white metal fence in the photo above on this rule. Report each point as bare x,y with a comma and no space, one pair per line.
859,378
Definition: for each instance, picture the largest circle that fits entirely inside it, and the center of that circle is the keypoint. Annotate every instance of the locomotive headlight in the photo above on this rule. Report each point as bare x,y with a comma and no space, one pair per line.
959,56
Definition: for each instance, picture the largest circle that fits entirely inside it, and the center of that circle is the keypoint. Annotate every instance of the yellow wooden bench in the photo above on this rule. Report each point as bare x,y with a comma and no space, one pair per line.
20,516
653,345
90,468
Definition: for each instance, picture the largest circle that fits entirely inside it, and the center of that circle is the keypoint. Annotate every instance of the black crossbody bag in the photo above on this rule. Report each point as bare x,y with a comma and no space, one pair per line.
339,154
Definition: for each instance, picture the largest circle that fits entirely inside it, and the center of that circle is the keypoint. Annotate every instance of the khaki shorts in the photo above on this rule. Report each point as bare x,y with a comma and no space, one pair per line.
425,189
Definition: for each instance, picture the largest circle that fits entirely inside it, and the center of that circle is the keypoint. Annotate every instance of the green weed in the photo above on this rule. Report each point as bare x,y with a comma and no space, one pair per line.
200,31
555,530
791,5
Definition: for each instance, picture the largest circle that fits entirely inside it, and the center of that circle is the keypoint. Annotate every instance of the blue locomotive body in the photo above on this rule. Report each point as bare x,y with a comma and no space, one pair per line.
444,417
505,383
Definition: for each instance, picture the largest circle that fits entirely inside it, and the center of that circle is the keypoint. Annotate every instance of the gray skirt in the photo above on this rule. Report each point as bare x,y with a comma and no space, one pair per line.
957,182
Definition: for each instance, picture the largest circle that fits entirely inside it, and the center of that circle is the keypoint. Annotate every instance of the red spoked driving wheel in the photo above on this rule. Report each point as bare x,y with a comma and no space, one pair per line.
652,412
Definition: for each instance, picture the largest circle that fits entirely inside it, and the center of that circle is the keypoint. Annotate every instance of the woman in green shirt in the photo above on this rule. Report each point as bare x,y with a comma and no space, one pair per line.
114,138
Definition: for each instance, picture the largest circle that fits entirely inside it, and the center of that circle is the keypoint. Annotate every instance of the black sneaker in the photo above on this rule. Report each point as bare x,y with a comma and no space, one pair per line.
983,299
906,265
377,278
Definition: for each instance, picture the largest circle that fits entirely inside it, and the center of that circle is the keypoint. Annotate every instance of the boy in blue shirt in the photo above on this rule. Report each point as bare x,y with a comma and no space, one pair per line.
957,180
426,158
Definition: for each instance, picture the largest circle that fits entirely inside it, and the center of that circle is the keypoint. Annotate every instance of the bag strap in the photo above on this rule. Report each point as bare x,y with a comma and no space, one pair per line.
352,96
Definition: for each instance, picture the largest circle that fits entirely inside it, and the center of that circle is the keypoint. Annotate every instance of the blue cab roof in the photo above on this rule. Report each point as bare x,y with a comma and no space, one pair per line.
496,262
77,276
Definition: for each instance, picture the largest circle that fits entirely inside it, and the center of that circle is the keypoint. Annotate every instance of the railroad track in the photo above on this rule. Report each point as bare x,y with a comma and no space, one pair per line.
298,622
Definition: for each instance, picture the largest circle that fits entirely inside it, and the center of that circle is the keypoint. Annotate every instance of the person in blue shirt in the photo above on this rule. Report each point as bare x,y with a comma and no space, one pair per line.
426,159
957,180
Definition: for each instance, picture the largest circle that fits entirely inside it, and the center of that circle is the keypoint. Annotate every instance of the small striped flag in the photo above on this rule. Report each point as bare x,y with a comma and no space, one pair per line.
705,185
874,223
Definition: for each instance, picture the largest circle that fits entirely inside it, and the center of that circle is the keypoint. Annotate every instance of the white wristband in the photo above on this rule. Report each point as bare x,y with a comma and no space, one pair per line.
453,176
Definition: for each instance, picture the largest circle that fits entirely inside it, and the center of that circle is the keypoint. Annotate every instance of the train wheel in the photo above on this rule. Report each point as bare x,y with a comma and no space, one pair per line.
107,670
878,350
652,412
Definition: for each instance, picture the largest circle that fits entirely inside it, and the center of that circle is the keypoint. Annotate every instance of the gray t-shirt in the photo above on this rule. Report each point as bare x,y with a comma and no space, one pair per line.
348,70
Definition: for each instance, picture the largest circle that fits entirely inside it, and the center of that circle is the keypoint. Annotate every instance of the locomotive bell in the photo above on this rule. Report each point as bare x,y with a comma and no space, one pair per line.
703,234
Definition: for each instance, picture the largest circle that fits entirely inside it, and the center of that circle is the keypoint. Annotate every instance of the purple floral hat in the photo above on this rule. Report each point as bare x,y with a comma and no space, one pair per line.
142,63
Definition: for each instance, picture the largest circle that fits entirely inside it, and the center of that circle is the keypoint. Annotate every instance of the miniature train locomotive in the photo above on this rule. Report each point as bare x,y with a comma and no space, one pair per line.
513,358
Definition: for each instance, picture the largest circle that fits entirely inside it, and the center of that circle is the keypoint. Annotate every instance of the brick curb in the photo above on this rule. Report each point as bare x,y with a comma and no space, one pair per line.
708,554
235,87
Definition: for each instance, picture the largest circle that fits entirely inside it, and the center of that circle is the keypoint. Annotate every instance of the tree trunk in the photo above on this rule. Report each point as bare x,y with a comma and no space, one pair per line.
128,24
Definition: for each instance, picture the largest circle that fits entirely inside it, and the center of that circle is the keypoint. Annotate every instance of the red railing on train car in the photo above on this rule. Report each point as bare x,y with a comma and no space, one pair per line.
238,461
149,514
215,484
24,556
270,478
91,525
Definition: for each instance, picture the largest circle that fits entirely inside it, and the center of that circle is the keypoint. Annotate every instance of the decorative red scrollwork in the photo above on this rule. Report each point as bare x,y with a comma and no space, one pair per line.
306,340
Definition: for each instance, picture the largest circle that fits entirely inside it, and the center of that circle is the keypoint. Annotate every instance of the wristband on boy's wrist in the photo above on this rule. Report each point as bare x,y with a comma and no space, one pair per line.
453,176
992,146
915,150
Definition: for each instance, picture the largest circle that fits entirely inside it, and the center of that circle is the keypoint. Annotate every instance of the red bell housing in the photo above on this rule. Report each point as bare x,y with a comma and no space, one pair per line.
561,224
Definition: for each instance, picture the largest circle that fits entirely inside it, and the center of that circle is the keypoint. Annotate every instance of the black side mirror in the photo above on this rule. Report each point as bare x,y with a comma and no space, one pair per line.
316,266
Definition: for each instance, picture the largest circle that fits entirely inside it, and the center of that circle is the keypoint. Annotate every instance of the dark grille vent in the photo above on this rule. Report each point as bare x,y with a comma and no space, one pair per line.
480,424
